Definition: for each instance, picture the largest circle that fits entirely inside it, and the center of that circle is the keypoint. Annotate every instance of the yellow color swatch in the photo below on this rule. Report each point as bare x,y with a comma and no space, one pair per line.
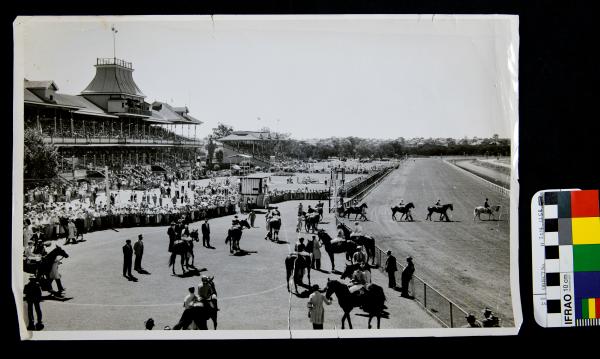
592,308
586,230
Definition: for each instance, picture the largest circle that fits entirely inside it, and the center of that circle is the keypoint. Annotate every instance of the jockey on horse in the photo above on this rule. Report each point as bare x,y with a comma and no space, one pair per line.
360,279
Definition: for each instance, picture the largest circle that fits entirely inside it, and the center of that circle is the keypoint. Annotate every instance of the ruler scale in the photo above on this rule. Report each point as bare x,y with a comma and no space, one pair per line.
566,257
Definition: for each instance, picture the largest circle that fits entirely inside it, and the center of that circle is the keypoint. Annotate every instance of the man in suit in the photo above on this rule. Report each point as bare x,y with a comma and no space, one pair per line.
172,236
206,234
391,268
407,275
33,297
138,249
127,257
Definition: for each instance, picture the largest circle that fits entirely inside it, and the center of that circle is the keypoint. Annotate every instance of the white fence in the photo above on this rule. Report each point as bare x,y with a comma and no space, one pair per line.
503,191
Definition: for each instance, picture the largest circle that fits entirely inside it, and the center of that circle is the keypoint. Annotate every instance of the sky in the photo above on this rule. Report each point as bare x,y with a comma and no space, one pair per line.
312,77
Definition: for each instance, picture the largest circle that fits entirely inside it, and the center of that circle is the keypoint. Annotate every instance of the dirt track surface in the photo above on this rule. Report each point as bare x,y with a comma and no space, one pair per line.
251,288
466,260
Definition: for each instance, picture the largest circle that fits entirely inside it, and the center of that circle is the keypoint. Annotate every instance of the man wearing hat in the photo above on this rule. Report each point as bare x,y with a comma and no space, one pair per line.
127,254
391,268
472,322
489,319
33,297
138,249
407,275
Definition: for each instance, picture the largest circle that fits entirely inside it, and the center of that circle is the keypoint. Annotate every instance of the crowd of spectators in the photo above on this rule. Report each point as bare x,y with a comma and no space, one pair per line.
99,130
49,208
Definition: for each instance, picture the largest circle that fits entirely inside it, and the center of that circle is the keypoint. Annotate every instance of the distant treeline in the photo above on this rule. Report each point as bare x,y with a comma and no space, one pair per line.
353,147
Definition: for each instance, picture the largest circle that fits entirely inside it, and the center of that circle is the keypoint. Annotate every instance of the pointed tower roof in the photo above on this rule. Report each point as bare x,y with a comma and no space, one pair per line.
113,77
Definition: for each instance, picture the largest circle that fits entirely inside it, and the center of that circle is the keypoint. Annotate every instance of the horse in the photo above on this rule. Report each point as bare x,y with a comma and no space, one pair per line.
372,301
198,314
366,241
185,249
357,210
295,263
235,234
489,211
345,246
441,210
42,272
311,221
405,210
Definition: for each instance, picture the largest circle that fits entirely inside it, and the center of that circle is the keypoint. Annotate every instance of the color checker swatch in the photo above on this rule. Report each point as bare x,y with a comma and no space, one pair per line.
566,257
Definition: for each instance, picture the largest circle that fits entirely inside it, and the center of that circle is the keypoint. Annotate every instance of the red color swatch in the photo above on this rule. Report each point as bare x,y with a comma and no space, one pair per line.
585,204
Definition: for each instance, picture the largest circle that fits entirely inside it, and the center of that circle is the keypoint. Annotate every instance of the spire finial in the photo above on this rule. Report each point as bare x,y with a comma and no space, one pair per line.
114,31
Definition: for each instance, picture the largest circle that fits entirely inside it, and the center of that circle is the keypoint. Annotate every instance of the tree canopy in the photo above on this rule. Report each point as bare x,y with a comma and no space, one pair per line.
40,159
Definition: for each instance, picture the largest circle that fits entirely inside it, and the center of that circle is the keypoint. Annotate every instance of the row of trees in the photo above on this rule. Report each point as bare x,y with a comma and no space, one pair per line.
355,147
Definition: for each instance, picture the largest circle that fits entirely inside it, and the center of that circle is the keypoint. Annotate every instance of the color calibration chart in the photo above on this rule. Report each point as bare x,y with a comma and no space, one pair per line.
566,257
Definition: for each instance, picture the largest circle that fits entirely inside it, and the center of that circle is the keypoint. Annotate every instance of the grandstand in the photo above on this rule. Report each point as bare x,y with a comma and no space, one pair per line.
110,124
255,147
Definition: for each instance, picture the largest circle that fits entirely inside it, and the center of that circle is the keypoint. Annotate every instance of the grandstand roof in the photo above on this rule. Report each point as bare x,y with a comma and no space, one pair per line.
163,112
40,85
113,77
246,136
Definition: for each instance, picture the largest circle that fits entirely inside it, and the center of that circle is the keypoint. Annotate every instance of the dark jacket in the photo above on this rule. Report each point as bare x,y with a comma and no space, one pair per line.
33,292
390,264
127,251
407,273
171,232
138,248
205,229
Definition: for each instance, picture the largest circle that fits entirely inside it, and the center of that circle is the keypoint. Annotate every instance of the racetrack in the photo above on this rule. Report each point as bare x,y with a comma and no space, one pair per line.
466,260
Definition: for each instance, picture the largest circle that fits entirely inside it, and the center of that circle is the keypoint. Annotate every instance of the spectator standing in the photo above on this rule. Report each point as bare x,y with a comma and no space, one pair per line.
127,258
316,253
138,249
391,268
407,275
206,234
33,297
252,218
71,232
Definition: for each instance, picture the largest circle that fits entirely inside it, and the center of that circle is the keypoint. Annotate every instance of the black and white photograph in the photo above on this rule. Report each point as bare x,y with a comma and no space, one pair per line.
265,176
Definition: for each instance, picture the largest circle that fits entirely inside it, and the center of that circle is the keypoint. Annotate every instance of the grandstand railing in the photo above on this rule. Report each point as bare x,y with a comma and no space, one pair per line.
119,140
447,312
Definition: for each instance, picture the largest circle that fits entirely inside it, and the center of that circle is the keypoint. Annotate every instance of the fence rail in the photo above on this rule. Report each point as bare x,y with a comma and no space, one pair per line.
298,196
435,303
503,191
